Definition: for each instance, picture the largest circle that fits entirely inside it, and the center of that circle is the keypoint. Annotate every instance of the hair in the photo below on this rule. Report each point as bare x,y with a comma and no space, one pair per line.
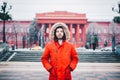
55,37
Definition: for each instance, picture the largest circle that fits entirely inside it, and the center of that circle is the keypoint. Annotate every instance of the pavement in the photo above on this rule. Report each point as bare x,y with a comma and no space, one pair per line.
35,71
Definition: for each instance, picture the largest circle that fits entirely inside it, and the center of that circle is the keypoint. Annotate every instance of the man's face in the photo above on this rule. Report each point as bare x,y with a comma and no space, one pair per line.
59,33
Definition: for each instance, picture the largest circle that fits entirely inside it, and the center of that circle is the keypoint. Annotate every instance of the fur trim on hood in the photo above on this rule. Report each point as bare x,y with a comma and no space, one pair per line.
65,28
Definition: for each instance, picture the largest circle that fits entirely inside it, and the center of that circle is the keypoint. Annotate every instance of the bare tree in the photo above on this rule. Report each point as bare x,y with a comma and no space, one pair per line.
24,37
114,29
16,29
92,28
8,35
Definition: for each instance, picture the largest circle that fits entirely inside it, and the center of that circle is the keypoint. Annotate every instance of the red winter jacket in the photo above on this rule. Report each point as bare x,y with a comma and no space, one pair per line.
59,60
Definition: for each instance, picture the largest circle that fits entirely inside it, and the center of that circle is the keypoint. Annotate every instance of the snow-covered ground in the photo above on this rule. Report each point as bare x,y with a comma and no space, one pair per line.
96,50
81,49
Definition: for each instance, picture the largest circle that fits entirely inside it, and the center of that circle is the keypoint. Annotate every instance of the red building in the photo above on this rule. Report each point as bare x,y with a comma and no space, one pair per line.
15,29
77,24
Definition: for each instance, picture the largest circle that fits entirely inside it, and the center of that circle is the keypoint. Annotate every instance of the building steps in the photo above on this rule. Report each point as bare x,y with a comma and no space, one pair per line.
101,57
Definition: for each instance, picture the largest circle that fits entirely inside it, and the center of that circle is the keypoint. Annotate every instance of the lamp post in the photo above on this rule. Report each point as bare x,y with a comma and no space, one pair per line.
115,9
4,15
113,26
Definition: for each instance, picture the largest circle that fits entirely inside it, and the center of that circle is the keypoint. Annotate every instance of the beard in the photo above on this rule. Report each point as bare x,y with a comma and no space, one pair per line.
56,38
60,38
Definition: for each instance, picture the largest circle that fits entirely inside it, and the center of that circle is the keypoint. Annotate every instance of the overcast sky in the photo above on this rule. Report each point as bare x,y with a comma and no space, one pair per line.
94,9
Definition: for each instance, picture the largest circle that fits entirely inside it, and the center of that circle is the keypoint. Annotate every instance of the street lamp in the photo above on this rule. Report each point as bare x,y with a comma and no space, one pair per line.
4,15
116,9
116,18
113,26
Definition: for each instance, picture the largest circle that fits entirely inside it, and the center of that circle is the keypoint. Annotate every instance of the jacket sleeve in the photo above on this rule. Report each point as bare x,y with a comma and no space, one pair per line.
74,58
45,58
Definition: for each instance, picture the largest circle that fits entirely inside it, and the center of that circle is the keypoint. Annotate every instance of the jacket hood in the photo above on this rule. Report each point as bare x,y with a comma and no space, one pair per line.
65,28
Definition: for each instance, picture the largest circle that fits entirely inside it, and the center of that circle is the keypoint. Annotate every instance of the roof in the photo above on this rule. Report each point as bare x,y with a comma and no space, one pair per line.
60,15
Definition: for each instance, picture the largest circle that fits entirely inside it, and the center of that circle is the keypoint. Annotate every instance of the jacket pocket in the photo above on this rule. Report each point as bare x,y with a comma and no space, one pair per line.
68,73
53,73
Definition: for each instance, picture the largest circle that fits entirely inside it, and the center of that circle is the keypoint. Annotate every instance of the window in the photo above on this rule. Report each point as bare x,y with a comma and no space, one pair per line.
99,32
10,30
28,30
22,30
73,30
73,40
105,31
47,30
80,31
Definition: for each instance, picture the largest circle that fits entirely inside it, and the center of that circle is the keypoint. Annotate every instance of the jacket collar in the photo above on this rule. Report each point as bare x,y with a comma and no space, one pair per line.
58,45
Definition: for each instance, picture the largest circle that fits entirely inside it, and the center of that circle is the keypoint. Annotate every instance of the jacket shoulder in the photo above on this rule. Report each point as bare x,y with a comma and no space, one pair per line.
49,44
69,43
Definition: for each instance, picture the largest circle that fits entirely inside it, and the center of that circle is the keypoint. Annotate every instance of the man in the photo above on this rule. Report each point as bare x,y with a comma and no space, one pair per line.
59,57
105,43
94,41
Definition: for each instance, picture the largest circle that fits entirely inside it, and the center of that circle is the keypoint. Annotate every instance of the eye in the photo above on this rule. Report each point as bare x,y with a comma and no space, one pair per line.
61,31
57,31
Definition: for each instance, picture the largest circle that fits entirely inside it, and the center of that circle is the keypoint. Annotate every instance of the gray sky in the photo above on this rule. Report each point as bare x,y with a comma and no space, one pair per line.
94,9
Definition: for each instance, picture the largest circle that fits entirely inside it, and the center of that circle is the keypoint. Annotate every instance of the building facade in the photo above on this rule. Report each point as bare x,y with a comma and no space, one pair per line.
77,23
